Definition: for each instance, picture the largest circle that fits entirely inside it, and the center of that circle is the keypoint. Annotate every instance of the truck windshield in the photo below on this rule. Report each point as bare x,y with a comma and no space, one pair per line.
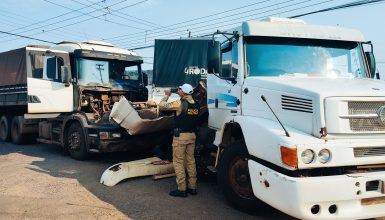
304,57
108,73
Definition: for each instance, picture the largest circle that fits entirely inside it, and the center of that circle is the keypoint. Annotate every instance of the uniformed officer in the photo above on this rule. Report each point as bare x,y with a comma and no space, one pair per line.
183,145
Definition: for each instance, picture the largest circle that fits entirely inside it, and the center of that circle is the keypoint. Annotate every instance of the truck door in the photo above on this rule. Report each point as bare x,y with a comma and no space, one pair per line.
224,93
47,90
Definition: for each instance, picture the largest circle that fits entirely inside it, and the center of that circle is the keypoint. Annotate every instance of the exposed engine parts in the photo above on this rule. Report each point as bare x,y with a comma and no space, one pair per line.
97,103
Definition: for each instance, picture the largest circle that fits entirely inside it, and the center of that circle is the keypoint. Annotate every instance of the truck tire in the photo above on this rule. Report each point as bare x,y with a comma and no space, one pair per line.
75,142
5,128
16,135
234,178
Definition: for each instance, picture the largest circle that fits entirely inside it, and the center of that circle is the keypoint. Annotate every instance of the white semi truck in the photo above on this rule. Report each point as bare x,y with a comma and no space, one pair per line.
299,120
63,95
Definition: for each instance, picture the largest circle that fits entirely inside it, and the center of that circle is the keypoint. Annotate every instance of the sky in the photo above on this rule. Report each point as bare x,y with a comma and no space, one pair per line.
136,23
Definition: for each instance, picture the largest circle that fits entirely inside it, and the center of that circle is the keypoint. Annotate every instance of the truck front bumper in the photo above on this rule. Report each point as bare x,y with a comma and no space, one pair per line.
106,141
350,196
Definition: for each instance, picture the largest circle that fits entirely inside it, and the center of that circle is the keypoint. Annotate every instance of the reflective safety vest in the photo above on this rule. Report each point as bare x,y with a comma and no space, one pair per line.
187,120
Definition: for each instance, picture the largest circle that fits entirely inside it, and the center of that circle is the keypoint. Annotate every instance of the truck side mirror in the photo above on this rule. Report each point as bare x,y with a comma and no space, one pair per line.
214,57
372,63
67,79
145,79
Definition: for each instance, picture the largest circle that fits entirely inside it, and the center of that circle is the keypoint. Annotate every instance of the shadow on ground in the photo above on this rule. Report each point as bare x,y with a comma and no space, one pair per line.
139,198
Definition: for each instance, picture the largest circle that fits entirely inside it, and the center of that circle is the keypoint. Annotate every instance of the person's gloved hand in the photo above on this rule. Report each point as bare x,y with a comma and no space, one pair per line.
167,92
152,103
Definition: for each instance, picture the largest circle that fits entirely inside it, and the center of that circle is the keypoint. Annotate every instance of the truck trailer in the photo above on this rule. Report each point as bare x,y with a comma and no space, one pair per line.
63,95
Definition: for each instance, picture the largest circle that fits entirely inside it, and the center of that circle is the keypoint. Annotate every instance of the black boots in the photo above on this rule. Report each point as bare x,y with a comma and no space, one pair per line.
192,191
177,193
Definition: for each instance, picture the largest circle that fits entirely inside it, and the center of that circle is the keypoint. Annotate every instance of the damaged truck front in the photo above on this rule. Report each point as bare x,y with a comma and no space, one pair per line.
70,89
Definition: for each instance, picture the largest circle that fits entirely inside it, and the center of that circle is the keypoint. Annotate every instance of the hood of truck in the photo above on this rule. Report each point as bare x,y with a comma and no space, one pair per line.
312,103
323,87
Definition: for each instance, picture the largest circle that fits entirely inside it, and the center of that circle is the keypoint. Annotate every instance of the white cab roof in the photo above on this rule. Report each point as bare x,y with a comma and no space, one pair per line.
295,28
92,45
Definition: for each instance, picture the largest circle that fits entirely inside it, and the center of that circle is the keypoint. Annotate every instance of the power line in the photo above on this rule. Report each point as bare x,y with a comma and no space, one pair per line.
45,20
17,17
60,27
98,17
200,18
259,18
353,4
53,23
123,15
144,47
242,18
22,36
344,6
189,26
229,17
231,24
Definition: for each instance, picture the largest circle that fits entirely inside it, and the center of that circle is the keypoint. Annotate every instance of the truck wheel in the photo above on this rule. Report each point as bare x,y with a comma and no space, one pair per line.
16,135
234,178
75,142
5,128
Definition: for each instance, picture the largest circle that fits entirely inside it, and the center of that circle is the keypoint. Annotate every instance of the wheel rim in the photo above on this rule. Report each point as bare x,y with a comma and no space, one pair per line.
239,177
74,141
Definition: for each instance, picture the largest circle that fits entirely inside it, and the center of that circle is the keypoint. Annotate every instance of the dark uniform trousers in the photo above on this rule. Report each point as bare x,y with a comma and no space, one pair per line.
183,160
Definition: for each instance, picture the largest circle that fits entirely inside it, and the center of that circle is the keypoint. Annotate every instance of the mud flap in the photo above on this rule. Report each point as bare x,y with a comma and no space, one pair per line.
118,172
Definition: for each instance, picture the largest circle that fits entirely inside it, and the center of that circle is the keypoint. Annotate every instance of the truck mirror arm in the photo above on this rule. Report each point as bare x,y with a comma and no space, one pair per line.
234,34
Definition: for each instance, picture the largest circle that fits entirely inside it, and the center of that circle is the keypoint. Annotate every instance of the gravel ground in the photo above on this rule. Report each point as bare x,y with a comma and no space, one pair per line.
38,182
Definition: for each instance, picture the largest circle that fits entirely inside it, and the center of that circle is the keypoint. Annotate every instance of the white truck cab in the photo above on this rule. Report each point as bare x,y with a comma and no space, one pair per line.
319,82
64,95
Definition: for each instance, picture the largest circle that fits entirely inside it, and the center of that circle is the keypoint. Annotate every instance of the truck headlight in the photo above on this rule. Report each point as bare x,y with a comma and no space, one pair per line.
103,135
116,135
307,156
324,156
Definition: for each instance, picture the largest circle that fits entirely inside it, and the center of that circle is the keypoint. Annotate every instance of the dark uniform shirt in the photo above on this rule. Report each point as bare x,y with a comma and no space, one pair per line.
187,111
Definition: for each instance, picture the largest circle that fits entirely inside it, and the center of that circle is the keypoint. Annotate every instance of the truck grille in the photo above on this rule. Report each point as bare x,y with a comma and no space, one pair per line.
365,123
369,151
356,108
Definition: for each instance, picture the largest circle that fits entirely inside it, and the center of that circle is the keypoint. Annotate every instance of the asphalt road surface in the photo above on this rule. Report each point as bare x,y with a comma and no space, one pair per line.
38,182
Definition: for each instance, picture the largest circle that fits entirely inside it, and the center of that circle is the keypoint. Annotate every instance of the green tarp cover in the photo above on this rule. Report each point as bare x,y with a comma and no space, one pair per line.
180,61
